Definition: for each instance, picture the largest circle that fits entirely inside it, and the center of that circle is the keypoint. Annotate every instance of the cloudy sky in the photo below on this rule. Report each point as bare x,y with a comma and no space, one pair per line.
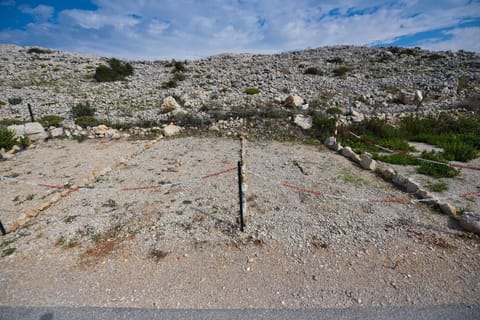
164,29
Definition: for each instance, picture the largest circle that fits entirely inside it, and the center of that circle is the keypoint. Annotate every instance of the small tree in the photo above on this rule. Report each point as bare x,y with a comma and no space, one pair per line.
115,71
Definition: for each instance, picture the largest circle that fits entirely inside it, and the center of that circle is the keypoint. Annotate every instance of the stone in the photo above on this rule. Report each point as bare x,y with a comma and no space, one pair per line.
406,183
57,132
33,130
293,101
214,127
470,221
386,172
100,130
410,97
425,194
171,130
367,162
304,122
14,149
329,142
447,208
349,153
357,116
169,104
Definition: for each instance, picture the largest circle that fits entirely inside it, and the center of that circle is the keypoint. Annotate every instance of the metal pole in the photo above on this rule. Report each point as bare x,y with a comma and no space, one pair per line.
240,194
31,112
2,229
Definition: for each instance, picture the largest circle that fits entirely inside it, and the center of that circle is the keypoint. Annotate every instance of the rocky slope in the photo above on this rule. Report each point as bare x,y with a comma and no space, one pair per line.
380,81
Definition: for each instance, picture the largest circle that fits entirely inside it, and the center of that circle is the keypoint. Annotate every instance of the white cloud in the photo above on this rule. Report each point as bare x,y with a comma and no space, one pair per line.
465,38
40,12
7,3
187,28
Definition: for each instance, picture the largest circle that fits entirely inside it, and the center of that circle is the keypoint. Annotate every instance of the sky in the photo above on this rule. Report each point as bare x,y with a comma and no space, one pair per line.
189,29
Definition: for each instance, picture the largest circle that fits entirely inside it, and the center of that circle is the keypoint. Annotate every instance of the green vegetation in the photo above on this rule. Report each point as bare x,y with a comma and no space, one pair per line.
14,101
336,60
438,187
342,71
7,252
9,122
7,139
89,121
334,110
252,91
110,204
38,50
314,71
51,121
463,83
172,83
82,110
115,71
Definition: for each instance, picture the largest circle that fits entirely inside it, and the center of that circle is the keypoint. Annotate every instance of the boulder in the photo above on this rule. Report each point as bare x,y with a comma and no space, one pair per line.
406,183
410,97
56,132
293,101
386,172
367,162
304,122
447,208
424,194
470,221
171,130
349,153
33,130
169,104
357,116
100,130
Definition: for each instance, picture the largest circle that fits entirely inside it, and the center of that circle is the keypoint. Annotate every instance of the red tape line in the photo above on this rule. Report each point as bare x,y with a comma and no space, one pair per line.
475,193
464,167
219,173
318,193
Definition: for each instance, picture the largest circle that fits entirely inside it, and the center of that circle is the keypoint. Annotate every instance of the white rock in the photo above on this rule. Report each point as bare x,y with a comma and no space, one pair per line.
100,129
171,130
357,116
386,172
447,208
349,153
367,162
406,183
304,122
470,221
293,101
57,132
27,128
169,104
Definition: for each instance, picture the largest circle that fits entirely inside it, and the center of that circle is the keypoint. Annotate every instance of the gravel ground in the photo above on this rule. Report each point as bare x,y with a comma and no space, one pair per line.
177,245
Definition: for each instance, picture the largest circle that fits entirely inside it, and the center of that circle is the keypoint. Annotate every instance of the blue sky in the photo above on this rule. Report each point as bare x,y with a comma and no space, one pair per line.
164,29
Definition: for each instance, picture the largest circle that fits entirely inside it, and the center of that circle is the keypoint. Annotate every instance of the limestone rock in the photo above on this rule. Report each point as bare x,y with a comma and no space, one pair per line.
410,97
357,116
447,208
406,183
33,130
171,130
470,221
349,153
424,194
293,101
367,162
304,122
386,172
100,130
57,132
169,104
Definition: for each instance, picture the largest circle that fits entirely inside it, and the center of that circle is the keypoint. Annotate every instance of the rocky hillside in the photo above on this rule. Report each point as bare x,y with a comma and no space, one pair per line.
379,81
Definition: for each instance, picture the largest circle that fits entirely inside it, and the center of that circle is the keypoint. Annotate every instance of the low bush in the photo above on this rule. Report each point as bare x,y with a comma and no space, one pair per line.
336,60
51,121
14,101
437,170
438,187
10,122
252,91
313,70
334,110
89,121
172,83
179,76
342,71
7,138
322,125
83,110
115,71
38,50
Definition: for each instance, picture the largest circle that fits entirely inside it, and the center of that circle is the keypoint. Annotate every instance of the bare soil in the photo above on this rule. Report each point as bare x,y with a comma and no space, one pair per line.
161,231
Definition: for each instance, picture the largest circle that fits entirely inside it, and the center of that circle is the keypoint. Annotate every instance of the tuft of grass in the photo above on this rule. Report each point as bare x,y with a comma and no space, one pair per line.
51,120
252,91
313,71
438,187
7,138
38,50
348,177
437,170
342,71
88,121
7,252
157,255
83,110
15,100
336,60
110,204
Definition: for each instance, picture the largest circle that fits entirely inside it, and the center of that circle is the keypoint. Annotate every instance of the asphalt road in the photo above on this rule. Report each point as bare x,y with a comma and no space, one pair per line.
450,312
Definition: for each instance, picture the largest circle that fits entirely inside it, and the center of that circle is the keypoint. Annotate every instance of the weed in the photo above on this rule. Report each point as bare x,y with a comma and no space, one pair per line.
69,219
60,242
71,243
172,83
116,71
348,177
8,252
157,255
463,83
30,197
110,204
38,50
252,91
336,60
314,71
82,110
438,187
51,121
9,122
334,111
322,125
7,138
342,71
88,121
437,170
179,76
397,159
15,100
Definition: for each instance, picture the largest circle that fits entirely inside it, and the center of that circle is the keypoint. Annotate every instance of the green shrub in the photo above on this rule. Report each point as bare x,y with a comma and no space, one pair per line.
89,121
342,71
463,83
83,110
322,125
313,70
7,138
23,142
438,187
172,83
336,60
116,71
179,76
252,91
9,122
397,159
334,110
51,121
179,67
38,50
437,170
14,101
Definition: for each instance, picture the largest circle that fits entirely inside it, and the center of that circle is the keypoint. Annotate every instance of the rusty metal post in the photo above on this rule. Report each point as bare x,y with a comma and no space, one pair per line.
31,112
2,229
242,182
